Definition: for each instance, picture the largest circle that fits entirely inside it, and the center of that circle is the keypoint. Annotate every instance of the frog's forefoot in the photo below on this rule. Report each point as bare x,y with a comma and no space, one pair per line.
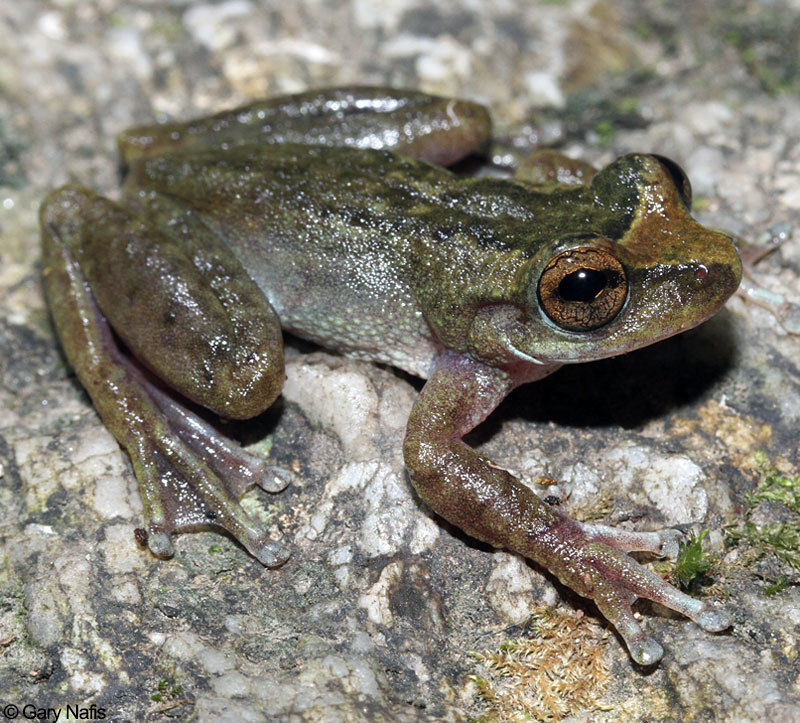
644,649
596,565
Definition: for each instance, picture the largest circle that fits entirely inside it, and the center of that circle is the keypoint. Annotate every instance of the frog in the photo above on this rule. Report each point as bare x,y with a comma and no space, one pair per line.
334,215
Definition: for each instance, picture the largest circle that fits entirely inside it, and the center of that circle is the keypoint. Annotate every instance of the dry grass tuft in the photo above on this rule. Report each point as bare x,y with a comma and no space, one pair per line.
559,669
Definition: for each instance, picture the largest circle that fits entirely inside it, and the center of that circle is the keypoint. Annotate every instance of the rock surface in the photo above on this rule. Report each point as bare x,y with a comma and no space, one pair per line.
377,612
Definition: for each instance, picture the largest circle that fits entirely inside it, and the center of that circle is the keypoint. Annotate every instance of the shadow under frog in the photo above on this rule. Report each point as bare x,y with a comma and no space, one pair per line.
627,391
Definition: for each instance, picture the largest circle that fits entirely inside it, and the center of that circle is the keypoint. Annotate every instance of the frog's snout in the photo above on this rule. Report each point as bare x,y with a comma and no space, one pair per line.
723,278
701,273
710,285
721,271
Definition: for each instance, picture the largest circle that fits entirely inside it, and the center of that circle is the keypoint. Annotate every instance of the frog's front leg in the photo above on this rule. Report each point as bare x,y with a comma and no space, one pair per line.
490,504
188,474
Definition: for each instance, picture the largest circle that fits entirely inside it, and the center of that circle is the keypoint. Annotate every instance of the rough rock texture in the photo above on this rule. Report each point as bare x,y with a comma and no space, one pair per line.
375,615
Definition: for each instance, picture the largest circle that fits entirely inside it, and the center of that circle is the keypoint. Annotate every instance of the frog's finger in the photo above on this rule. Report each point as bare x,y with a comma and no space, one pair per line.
712,619
662,542
430,128
239,469
643,649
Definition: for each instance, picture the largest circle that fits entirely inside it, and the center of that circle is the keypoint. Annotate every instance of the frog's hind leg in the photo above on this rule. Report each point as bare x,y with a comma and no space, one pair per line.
191,476
177,468
427,127
184,487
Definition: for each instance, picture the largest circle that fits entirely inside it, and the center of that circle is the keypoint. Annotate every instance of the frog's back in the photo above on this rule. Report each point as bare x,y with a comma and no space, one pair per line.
328,234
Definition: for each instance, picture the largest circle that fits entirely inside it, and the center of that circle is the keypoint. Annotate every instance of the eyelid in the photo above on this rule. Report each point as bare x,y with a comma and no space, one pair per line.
678,177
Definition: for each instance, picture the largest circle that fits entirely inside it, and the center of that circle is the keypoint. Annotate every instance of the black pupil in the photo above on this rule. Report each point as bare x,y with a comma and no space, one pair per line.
582,285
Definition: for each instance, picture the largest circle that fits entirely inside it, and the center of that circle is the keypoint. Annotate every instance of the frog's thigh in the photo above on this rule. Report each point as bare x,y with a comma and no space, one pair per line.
183,306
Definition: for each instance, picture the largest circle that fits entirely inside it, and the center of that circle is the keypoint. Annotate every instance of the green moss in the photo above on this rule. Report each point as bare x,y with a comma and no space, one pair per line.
779,539
605,132
628,105
688,570
776,587
692,561
775,486
166,691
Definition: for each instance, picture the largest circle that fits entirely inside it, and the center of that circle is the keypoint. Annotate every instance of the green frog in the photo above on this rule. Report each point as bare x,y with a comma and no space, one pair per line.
331,215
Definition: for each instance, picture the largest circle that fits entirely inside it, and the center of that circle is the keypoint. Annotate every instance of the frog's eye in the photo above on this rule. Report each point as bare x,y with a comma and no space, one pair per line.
678,177
583,288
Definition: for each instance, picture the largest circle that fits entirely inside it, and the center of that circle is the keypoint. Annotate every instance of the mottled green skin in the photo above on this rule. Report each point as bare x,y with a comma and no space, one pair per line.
384,257
234,227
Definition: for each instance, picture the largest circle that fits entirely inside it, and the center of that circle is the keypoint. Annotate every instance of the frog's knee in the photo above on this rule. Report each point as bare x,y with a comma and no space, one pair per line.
62,211
239,388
